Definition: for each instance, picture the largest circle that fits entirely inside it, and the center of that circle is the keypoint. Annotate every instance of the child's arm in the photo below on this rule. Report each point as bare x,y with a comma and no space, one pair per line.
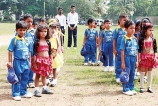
84,40
137,62
114,47
123,59
97,39
9,64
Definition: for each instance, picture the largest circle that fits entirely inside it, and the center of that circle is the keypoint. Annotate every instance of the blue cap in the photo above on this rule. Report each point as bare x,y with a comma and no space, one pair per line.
103,57
12,78
83,51
124,77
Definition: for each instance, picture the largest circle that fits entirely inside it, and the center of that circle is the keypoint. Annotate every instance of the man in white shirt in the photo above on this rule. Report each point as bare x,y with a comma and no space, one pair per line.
72,20
62,20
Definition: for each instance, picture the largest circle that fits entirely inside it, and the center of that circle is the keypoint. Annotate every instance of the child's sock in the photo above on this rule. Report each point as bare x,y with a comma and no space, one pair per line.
37,88
149,79
44,87
142,79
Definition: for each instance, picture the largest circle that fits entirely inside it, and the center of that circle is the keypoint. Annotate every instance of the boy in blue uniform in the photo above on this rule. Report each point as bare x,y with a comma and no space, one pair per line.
118,34
21,64
129,52
107,40
90,41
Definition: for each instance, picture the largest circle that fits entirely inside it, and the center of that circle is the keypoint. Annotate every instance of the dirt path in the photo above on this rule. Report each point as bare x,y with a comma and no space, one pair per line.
5,39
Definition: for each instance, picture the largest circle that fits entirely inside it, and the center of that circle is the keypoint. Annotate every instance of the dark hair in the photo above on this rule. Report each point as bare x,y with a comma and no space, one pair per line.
72,6
107,20
26,16
137,23
60,8
145,28
34,23
39,28
147,20
90,20
128,23
21,18
21,24
121,17
42,19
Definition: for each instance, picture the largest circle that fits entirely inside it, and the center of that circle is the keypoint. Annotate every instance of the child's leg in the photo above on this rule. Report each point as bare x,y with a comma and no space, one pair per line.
37,77
149,77
54,82
45,89
142,73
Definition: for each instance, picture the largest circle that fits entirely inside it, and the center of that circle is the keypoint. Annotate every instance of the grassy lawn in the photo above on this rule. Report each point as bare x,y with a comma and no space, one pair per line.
93,75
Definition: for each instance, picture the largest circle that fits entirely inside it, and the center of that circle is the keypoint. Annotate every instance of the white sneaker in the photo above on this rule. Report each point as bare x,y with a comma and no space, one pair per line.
93,64
75,48
130,93
85,64
54,81
118,80
134,92
90,62
106,69
98,63
17,98
110,69
68,47
28,95
31,85
47,81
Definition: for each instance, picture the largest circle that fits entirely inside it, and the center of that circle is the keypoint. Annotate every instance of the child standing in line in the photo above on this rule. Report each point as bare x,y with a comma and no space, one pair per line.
118,34
30,35
106,40
148,55
129,51
90,42
41,61
20,47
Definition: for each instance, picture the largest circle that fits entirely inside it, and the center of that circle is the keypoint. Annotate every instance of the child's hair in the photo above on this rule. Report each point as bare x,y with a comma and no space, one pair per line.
34,23
60,8
137,23
26,16
147,20
21,18
121,17
42,19
107,20
128,23
145,28
39,28
21,24
72,6
90,20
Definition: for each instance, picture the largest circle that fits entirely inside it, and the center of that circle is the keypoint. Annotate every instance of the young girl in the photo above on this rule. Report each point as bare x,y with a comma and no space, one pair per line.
41,61
129,52
147,55
55,46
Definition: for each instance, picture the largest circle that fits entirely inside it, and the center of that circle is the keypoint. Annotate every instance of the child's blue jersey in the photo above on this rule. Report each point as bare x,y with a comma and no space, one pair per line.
20,47
129,45
91,35
118,34
107,36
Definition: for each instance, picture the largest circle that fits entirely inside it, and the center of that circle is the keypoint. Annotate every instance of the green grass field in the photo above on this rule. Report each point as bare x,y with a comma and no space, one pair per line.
92,75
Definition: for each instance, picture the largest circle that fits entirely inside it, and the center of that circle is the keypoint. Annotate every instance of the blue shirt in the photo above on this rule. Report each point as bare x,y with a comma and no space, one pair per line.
129,45
20,48
91,35
107,36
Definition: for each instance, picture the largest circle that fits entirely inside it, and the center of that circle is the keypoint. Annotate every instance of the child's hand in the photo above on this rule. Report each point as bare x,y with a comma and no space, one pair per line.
97,45
9,65
115,52
83,45
123,66
137,64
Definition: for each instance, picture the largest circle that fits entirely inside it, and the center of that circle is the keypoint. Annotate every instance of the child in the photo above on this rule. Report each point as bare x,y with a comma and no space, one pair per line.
42,20
90,41
34,25
30,35
20,47
129,52
55,46
106,40
118,34
41,61
147,54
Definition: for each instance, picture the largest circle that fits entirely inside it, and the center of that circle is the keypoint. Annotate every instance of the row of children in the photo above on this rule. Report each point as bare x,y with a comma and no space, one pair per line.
36,51
133,45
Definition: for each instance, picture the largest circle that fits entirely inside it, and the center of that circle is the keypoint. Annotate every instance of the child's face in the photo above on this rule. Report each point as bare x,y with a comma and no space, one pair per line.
29,22
95,24
92,24
122,21
138,27
103,26
130,30
34,26
43,33
21,32
149,32
108,25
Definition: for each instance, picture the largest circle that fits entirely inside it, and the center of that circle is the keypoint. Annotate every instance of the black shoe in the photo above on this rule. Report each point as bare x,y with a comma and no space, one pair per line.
46,91
141,90
150,90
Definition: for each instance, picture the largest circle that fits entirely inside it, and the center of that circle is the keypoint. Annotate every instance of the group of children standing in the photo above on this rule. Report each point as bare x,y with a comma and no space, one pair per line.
35,49
133,45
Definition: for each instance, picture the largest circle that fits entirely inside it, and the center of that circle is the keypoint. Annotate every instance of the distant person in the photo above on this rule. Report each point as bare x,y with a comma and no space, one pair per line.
72,20
34,25
62,20
42,20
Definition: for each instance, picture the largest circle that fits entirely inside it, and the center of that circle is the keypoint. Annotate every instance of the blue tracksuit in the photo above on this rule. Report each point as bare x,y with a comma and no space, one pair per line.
21,65
118,34
130,47
90,44
30,35
108,47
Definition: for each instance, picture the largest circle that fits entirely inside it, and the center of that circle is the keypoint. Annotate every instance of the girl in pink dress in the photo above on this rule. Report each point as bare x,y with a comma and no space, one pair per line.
147,55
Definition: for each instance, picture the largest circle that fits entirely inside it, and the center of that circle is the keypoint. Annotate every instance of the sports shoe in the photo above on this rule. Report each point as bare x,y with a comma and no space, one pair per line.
118,80
17,98
47,81
150,90
106,69
85,64
98,63
110,69
27,95
130,93
37,93
54,82
46,91
31,85
141,90
75,48
134,92
89,62
93,64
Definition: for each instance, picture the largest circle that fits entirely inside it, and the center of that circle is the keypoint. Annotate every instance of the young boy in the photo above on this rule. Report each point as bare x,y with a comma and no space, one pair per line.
106,40
118,34
21,64
90,41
